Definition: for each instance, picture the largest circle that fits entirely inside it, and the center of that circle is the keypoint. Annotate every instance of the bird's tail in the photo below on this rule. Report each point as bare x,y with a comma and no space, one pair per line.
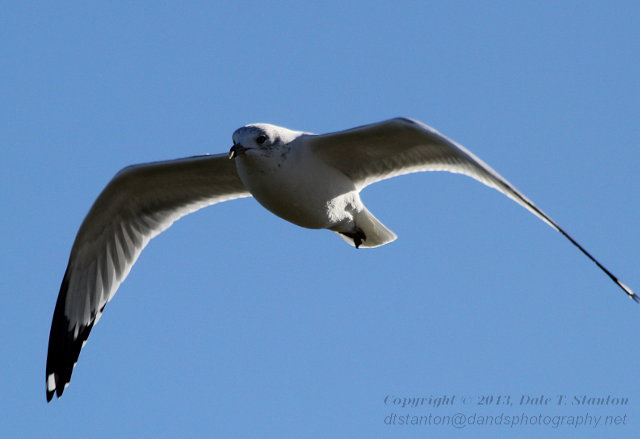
371,232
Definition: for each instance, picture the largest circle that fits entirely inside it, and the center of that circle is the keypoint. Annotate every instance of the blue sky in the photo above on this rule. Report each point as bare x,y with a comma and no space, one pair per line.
234,323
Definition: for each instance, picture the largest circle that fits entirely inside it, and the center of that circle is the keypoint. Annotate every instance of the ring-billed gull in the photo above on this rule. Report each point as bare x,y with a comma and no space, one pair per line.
312,181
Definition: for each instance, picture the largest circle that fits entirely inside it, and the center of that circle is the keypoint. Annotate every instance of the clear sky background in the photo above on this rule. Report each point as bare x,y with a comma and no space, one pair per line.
234,323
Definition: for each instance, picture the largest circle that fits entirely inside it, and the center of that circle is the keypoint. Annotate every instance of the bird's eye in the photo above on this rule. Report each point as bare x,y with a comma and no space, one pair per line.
261,139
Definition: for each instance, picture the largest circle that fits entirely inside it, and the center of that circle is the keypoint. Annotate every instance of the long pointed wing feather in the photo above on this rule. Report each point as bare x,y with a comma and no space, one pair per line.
375,152
138,203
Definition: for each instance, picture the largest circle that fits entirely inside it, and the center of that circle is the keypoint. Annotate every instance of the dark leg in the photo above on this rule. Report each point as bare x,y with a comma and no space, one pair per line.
357,235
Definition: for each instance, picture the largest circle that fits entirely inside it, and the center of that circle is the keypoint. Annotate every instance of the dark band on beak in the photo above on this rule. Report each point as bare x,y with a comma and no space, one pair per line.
236,150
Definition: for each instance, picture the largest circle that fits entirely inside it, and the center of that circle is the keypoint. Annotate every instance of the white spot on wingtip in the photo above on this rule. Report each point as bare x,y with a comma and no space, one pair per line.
627,290
51,382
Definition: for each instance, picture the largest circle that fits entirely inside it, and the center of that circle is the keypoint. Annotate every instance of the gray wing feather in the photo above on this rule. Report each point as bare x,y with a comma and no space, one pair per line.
375,152
138,203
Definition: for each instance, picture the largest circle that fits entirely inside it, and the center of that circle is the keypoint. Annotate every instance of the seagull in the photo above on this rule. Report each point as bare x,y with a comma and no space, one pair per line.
313,181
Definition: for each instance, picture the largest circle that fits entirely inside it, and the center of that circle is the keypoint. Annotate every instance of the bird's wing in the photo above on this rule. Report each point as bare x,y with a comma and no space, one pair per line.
138,203
375,152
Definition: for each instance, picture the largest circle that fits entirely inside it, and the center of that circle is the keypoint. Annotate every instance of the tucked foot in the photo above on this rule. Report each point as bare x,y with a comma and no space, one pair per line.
357,235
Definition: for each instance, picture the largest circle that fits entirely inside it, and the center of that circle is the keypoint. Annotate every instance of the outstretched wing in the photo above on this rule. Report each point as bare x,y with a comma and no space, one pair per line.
138,203
375,152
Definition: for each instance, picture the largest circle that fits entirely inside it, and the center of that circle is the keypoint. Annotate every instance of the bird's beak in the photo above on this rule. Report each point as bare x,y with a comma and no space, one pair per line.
236,150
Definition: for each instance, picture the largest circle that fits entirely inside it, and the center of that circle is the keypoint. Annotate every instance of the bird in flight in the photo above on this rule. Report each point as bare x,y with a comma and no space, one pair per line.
313,181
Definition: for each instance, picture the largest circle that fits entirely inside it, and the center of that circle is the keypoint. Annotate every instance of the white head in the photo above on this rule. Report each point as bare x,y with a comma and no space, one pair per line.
261,137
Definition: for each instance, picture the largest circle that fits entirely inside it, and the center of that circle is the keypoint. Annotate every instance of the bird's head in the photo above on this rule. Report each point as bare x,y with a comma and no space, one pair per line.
261,139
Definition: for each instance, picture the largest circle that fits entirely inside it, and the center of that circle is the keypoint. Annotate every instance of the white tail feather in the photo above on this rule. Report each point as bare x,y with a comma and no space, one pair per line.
375,232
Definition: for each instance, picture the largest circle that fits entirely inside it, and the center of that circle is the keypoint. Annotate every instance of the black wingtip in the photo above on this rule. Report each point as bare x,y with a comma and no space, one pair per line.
628,291
633,296
64,345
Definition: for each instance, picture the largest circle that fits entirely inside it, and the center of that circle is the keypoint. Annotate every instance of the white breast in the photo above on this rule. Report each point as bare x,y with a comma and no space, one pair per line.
297,187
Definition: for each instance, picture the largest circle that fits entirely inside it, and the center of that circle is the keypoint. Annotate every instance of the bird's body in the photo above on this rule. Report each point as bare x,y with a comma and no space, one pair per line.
313,181
284,179
289,171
